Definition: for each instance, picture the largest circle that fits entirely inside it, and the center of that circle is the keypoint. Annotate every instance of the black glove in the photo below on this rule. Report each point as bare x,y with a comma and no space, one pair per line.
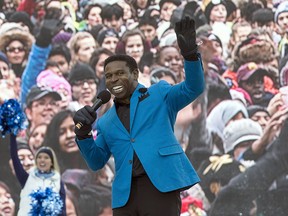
50,26
83,120
186,38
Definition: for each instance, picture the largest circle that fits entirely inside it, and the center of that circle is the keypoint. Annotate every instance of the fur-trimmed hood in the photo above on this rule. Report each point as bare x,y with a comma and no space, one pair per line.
23,36
255,50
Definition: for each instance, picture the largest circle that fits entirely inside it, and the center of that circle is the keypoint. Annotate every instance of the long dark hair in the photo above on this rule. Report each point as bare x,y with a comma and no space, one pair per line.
53,130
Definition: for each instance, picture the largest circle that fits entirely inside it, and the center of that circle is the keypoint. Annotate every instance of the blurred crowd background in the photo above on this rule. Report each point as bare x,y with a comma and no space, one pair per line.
51,59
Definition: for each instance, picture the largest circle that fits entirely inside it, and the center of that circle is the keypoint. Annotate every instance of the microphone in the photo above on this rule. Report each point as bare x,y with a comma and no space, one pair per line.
102,98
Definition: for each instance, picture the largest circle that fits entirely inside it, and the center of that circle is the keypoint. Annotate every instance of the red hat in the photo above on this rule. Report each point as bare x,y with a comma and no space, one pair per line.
248,69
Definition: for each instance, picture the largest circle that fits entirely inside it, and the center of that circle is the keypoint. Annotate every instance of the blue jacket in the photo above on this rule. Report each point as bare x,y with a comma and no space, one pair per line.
36,63
151,136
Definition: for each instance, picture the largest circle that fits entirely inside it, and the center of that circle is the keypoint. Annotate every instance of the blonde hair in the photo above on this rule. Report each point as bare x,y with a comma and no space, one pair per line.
73,44
55,166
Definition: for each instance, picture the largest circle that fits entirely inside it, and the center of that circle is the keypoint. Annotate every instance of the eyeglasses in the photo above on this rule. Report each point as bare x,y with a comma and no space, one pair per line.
42,103
81,82
15,49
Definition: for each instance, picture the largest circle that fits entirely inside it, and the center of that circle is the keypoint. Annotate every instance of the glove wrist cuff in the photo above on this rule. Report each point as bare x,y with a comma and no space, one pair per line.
191,55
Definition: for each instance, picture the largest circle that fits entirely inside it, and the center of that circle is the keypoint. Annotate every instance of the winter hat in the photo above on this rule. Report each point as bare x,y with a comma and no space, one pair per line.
47,151
214,37
283,7
240,131
222,113
106,33
81,71
21,16
49,79
4,58
249,69
211,5
256,108
22,144
61,37
8,26
254,50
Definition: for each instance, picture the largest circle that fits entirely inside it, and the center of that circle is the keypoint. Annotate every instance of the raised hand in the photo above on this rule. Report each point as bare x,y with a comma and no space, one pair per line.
50,26
186,37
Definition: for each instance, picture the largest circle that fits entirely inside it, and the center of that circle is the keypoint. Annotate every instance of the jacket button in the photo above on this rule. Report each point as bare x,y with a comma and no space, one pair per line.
130,161
132,140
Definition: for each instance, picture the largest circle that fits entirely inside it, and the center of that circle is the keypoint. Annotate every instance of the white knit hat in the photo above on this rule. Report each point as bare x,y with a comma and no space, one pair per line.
239,131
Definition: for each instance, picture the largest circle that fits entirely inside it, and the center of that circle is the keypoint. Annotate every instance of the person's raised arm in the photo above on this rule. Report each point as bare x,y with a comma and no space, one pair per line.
20,172
39,53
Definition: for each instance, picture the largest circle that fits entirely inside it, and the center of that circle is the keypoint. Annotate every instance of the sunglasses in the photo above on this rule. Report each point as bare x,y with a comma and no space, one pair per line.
15,49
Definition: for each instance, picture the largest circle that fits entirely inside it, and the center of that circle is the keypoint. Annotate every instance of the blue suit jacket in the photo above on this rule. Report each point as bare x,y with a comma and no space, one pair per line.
152,118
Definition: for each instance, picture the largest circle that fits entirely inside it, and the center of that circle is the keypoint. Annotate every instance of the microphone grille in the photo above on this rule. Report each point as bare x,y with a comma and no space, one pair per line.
104,96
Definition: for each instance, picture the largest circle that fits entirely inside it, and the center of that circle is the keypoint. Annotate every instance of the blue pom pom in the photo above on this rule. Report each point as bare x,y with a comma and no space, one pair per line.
12,118
45,202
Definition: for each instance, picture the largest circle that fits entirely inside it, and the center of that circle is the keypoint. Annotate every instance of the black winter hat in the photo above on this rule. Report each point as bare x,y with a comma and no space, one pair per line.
81,71
21,16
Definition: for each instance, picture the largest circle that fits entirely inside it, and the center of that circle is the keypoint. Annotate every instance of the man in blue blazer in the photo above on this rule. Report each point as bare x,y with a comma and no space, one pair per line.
138,131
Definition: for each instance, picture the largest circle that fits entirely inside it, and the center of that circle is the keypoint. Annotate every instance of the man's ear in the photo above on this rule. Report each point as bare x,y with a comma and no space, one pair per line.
28,112
135,74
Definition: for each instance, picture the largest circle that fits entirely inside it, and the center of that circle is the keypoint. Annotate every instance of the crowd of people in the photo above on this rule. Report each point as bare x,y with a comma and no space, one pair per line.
52,56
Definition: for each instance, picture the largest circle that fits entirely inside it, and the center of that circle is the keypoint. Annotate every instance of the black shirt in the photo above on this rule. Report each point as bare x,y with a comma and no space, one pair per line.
123,112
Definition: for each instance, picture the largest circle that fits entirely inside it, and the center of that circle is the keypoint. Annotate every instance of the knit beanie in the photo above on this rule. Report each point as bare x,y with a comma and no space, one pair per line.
61,37
252,109
106,33
50,79
81,71
22,144
47,151
21,16
283,7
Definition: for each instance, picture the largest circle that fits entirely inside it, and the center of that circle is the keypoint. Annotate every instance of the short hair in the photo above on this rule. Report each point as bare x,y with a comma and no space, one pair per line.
175,2
96,56
217,91
263,16
145,20
248,8
88,9
109,10
131,63
236,25
61,49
